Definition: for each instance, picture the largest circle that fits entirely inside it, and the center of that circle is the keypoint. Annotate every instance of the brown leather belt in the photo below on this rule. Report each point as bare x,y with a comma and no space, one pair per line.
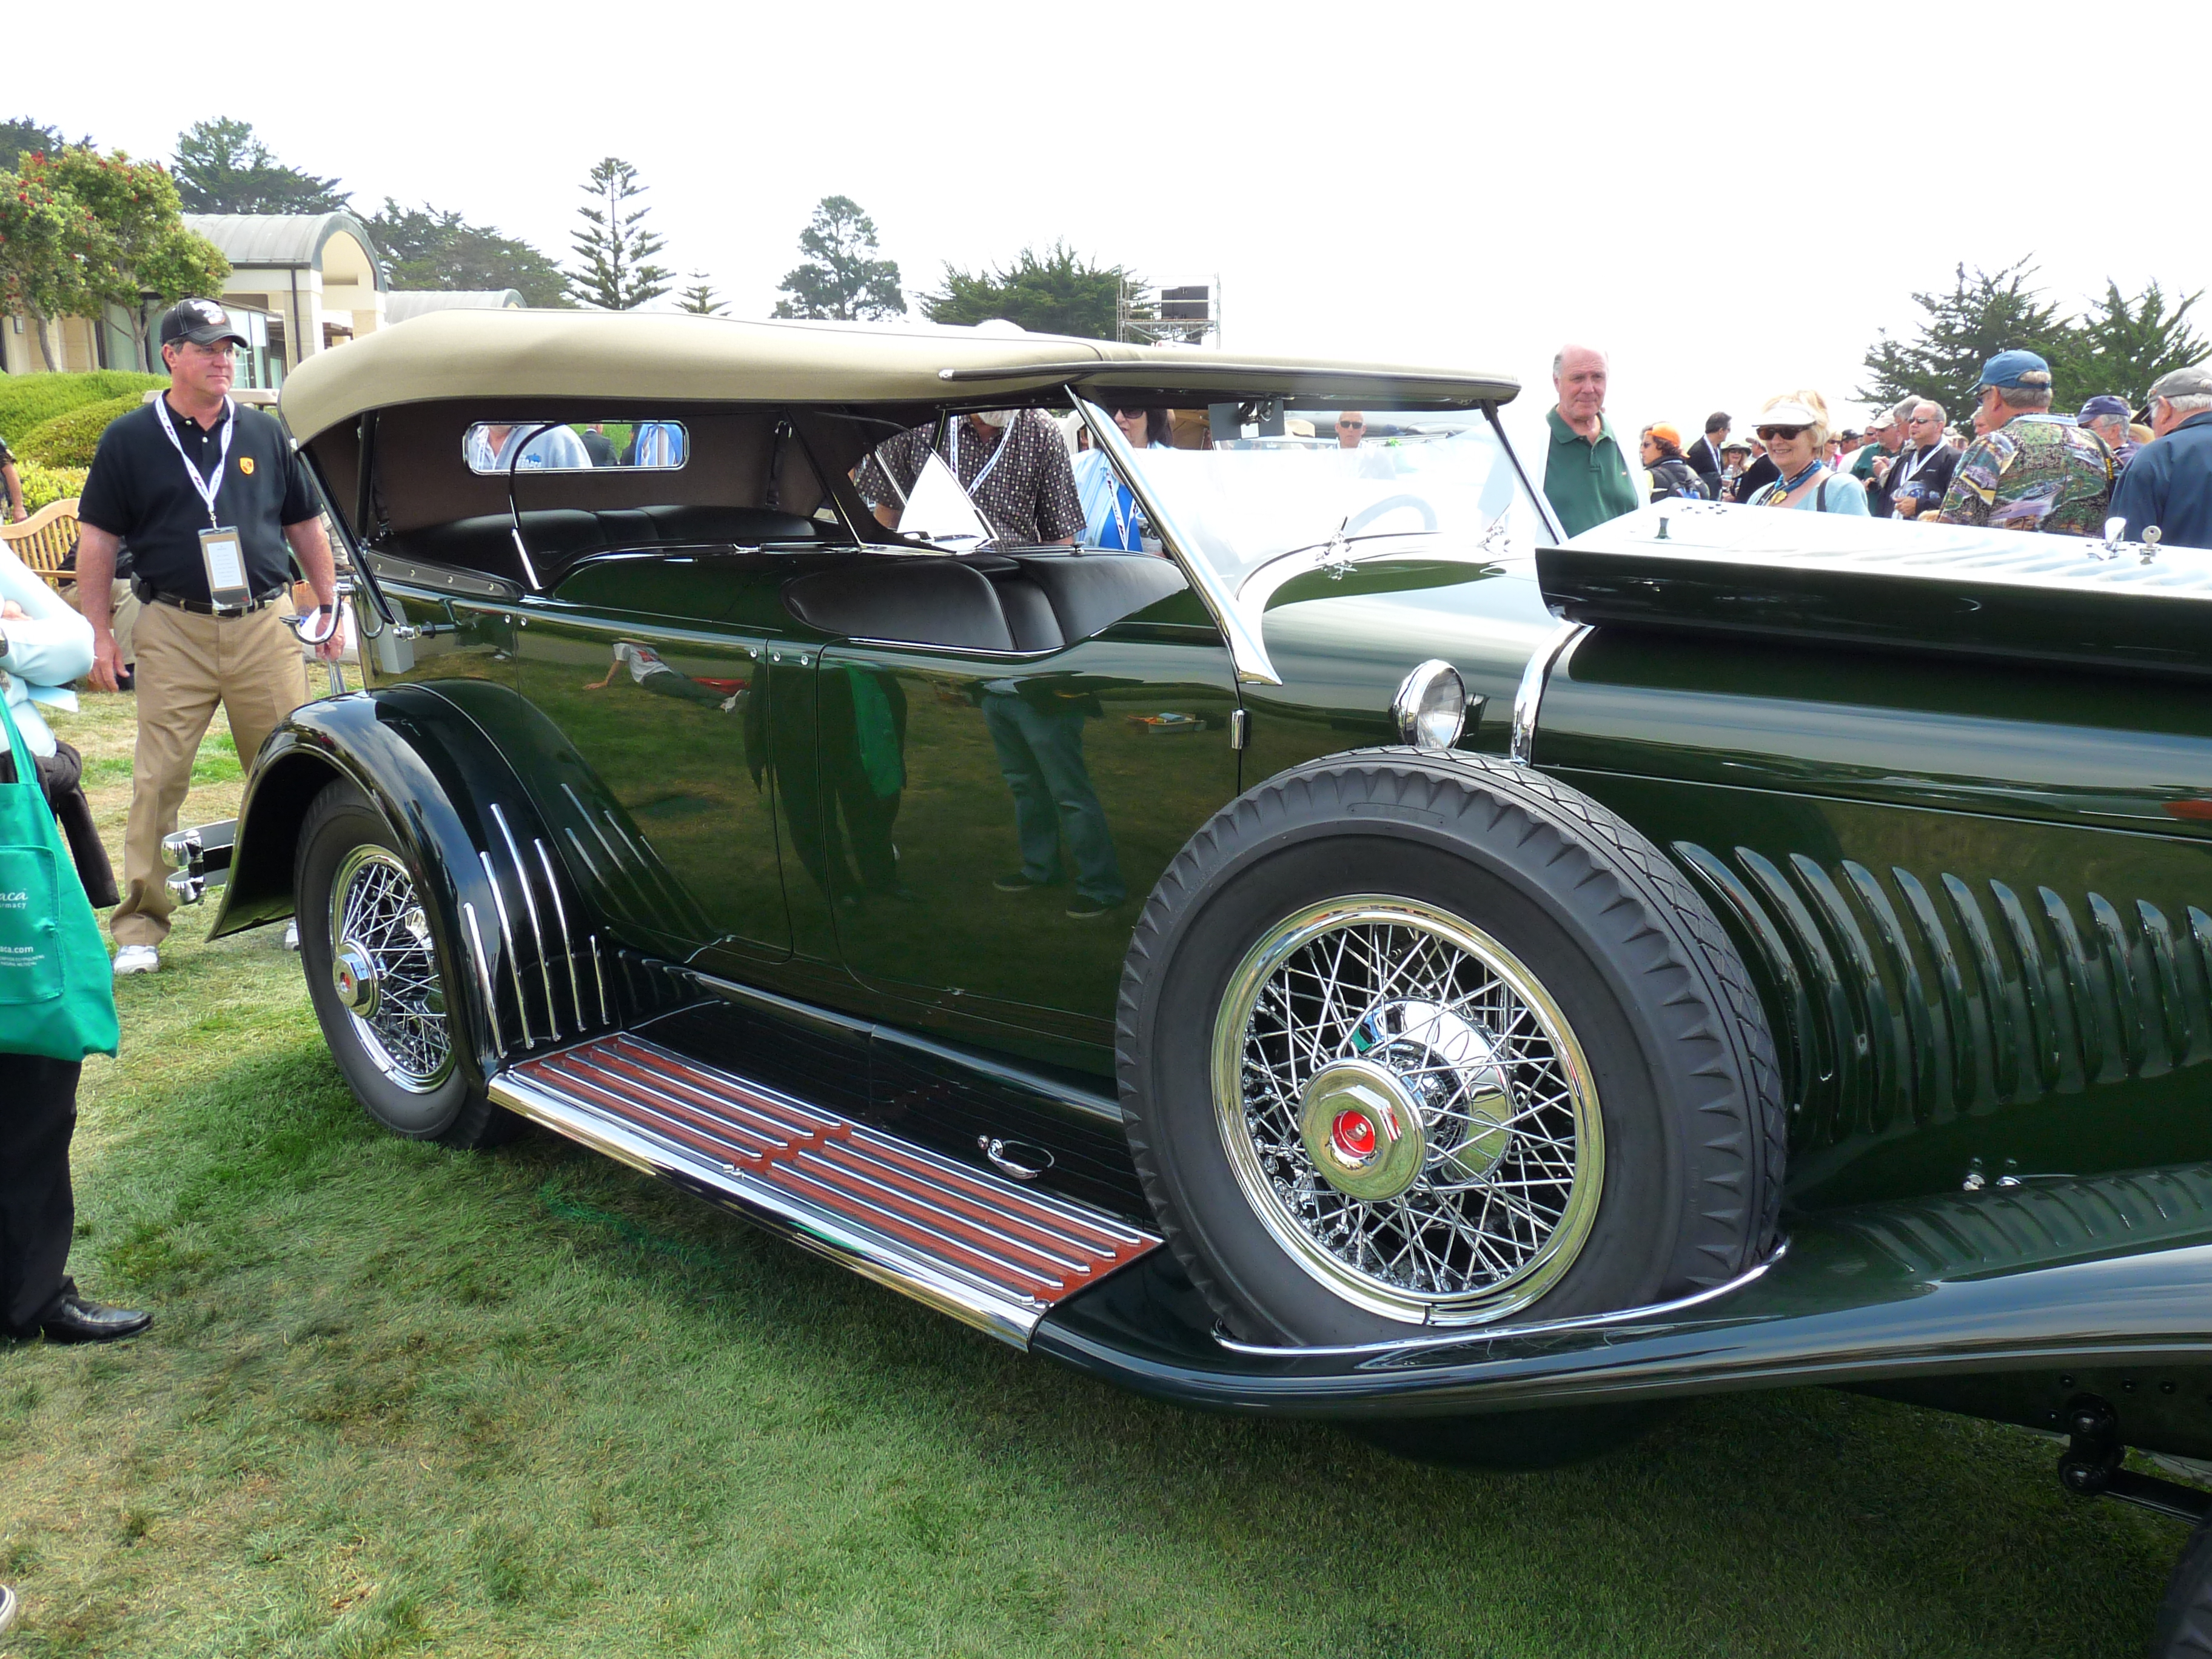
149,595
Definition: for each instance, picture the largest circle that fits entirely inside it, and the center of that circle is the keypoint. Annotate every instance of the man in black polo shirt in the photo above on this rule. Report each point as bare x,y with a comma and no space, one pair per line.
207,494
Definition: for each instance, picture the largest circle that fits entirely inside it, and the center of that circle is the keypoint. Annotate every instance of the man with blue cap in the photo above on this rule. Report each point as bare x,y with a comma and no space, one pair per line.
2027,469
2107,416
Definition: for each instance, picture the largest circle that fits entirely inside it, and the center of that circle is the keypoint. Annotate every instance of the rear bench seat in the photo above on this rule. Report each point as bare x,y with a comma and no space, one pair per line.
560,536
991,602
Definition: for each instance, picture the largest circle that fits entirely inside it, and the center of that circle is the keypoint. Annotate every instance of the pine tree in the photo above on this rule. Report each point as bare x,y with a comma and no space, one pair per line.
221,167
701,299
614,249
426,248
841,276
1056,293
1993,312
2122,345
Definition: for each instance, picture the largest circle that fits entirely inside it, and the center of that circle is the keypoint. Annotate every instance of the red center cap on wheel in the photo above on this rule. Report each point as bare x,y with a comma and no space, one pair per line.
1354,1136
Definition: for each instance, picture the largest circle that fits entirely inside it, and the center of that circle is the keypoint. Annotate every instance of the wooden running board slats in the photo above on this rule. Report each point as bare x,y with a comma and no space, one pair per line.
985,1249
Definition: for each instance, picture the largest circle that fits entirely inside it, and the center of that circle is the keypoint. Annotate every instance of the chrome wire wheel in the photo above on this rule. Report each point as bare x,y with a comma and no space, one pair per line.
385,971
1407,1110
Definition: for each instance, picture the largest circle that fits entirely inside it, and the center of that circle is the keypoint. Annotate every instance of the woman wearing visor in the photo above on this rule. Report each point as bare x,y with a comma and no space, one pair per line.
1794,427
1111,516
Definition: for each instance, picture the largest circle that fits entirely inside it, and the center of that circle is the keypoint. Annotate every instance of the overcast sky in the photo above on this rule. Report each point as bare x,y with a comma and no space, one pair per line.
1729,211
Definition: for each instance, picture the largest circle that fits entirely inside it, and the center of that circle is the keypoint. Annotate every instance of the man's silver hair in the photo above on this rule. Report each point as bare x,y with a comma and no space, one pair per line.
1559,359
1902,412
1920,403
2026,399
2194,403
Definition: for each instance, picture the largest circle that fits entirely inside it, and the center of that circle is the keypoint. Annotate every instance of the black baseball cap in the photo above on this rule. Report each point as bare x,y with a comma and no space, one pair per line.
201,321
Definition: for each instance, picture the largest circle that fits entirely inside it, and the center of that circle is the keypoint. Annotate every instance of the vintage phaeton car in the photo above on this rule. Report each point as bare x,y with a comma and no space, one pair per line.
1465,986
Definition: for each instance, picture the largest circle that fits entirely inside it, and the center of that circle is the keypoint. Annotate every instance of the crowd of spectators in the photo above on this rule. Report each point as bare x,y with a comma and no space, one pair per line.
2023,464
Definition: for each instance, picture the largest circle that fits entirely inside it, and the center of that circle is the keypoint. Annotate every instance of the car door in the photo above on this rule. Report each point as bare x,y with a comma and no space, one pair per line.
672,813
994,818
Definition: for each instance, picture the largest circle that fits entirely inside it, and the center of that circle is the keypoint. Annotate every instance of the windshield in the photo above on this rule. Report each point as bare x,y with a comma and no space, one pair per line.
1430,484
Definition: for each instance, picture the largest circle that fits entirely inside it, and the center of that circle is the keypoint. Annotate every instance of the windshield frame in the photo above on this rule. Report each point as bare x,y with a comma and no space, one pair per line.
1238,606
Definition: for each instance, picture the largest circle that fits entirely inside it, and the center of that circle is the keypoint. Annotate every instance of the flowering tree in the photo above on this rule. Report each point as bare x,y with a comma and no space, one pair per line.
79,232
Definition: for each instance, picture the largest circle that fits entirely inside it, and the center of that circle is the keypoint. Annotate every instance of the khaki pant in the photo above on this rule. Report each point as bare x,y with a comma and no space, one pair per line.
125,624
186,665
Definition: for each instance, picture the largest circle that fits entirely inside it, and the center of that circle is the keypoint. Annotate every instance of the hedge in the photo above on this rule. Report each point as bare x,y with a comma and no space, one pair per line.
69,439
30,400
42,484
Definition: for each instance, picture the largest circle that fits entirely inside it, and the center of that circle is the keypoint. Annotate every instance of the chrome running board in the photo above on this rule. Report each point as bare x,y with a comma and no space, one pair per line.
990,1252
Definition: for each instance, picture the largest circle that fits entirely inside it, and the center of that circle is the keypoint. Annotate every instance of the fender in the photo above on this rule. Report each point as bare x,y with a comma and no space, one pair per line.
531,960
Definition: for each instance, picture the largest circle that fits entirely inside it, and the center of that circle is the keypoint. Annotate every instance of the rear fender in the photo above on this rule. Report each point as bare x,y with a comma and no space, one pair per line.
535,963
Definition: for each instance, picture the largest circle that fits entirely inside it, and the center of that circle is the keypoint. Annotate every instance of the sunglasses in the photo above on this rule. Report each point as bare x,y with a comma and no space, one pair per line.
1352,426
1768,434
1129,414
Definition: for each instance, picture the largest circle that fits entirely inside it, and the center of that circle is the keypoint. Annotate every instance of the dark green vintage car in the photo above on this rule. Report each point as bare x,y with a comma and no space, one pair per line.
1331,951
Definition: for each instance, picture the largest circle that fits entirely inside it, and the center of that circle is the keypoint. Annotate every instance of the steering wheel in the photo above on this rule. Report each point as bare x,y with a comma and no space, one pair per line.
1367,514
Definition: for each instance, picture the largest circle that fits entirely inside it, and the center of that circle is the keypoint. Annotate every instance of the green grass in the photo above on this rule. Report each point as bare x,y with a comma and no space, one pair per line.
403,1400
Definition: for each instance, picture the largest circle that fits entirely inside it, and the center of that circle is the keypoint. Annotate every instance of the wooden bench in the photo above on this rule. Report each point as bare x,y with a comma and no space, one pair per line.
44,540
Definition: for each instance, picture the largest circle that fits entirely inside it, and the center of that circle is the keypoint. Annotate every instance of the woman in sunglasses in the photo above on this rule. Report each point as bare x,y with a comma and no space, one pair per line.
1111,516
1795,430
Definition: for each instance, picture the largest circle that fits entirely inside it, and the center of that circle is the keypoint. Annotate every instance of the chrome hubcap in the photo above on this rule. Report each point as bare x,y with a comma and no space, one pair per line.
354,974
1407,1110
384,971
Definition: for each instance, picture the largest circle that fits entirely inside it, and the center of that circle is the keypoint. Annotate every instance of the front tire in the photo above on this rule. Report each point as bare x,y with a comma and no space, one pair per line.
379,991
1412,1041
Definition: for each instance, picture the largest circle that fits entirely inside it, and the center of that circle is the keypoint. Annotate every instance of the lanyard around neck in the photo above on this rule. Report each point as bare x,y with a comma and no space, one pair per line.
207,491
1005,438
1919,462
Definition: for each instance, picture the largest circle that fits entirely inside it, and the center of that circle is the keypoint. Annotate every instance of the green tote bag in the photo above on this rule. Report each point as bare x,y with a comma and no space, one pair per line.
57,995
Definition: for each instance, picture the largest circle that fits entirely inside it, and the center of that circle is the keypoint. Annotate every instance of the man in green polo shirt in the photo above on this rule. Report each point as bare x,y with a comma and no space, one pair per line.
1585,477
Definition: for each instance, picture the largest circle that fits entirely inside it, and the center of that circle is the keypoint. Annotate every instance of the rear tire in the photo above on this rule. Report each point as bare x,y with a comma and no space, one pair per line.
2184,1619
380,990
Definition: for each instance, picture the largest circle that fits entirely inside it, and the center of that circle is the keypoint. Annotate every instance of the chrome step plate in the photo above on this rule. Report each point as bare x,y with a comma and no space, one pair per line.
989,1252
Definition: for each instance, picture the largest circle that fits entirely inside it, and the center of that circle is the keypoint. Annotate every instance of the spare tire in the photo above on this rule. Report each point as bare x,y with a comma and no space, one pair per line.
1408,1039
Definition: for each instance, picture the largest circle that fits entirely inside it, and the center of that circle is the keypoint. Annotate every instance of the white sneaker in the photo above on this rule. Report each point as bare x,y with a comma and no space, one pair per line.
292,934
137,959
10,1605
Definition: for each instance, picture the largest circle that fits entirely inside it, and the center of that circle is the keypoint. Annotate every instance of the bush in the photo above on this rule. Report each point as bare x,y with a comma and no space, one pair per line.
69,439
30,400
42,484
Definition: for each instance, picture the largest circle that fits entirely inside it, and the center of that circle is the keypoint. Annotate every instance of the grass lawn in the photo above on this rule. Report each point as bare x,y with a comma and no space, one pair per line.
404,1400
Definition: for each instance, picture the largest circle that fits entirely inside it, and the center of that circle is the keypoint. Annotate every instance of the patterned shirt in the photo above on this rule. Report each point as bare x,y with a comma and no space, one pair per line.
1027,495
2036,472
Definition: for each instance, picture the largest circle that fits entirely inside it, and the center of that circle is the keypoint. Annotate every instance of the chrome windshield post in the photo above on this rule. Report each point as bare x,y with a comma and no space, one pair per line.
1246,653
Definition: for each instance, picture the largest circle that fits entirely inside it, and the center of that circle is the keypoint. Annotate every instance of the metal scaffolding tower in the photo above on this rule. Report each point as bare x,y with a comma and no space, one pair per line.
1178,311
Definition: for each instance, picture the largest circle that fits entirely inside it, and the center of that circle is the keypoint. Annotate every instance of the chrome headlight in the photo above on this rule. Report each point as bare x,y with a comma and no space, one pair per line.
1430,706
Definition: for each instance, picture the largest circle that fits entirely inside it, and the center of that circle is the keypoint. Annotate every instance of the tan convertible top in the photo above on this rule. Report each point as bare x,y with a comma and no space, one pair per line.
678,358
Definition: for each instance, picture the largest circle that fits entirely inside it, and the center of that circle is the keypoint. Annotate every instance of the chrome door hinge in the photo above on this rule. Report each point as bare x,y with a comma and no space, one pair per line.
1240,726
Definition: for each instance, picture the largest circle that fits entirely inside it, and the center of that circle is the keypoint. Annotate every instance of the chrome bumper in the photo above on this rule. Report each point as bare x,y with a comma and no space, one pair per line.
198,858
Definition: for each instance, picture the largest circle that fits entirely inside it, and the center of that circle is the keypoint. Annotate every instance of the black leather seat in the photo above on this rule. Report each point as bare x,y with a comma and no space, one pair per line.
921,600
1089,592
559,535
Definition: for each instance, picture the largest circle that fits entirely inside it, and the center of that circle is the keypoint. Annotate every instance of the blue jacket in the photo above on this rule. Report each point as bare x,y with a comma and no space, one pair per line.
2169,484
47,648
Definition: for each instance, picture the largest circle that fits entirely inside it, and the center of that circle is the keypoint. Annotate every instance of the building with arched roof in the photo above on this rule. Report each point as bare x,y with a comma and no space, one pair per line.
317,275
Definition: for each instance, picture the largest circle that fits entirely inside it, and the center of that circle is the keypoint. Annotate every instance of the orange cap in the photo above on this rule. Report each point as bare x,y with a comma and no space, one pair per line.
1663,431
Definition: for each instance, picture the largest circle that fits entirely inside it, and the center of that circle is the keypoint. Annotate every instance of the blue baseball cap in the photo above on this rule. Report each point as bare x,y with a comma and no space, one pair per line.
2014,369
2105,404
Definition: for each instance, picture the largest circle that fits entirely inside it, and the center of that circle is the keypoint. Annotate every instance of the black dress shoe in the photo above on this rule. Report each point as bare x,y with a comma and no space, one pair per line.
76,1320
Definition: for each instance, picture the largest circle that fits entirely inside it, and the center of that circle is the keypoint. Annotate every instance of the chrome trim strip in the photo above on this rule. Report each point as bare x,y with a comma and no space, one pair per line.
507,933
1470,1334
827,1235
568,943
1529,698
530,903
1246,651
483,978
864,1139
1012,1240
599,973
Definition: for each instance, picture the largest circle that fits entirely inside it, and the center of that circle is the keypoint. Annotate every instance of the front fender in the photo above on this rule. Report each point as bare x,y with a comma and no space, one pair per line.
533,959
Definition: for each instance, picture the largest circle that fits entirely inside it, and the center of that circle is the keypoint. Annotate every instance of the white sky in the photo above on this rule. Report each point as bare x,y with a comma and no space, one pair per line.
1731,211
